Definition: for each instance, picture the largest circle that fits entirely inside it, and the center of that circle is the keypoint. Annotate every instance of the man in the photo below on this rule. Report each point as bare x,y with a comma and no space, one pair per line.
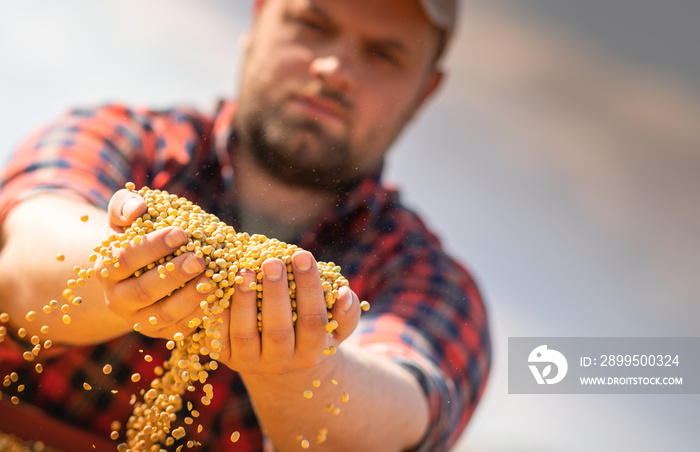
326,87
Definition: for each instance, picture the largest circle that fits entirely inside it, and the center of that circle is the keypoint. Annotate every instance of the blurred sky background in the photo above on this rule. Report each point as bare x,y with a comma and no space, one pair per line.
560,161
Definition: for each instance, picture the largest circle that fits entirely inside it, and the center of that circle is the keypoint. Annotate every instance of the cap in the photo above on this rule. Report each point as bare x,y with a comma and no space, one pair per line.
442,13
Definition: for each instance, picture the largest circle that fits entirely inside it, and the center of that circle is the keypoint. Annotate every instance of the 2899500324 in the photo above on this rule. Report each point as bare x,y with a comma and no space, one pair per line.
641,360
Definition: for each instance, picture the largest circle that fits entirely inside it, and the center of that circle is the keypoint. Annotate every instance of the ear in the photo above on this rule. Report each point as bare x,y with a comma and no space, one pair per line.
430,86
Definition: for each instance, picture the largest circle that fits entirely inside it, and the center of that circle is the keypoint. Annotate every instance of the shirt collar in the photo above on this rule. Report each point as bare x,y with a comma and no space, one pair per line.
222,133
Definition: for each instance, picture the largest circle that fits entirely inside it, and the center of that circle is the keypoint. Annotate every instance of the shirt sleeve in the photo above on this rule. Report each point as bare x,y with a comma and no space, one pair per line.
91,153
427,315
82,154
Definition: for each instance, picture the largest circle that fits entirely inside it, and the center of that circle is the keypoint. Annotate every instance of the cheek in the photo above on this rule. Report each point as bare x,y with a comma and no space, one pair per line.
269,78
381,118
277,62
377,126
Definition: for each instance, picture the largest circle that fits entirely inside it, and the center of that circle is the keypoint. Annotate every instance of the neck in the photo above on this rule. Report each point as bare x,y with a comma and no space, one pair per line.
268,206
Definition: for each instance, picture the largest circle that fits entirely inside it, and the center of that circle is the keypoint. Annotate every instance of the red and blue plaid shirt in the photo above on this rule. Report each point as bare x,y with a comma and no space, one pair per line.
426,313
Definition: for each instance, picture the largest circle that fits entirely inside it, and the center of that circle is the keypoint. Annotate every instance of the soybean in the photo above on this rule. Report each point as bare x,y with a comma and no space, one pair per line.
226,252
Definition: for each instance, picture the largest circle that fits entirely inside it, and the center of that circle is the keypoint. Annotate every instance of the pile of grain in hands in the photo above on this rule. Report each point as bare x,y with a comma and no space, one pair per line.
225,253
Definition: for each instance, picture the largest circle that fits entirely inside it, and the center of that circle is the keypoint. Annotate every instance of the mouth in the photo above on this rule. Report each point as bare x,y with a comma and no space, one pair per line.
320,108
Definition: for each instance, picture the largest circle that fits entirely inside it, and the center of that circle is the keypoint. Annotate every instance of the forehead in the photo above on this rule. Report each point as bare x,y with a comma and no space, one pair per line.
398,20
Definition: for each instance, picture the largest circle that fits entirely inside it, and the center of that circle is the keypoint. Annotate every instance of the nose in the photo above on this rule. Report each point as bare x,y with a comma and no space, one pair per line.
335,71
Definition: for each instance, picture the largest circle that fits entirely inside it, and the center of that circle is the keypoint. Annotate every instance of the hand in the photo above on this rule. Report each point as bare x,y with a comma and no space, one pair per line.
283,347
171,301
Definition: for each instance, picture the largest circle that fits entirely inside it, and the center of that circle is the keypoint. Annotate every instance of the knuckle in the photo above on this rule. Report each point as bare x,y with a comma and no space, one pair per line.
312,320
308,282
244,340
122,257
308,361
140,294
172,278
183,326
277,336
162,314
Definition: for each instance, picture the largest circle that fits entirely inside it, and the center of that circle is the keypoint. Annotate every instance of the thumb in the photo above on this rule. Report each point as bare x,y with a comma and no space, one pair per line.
125,207
346,312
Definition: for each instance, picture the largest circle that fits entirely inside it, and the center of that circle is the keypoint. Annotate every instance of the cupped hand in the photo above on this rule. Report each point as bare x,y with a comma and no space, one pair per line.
158,304
284,346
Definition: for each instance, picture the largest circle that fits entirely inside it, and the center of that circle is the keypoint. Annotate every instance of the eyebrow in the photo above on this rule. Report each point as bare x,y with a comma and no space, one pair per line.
389,43
312,9
318,10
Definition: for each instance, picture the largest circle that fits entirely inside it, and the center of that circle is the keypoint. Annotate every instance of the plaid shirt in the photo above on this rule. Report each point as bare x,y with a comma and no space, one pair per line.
426,313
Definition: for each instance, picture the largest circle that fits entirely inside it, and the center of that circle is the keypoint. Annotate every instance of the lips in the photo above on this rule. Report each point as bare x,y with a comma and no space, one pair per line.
320,108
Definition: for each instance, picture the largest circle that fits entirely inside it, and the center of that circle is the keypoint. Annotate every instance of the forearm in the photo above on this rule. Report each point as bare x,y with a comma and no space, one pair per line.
31,276
386,408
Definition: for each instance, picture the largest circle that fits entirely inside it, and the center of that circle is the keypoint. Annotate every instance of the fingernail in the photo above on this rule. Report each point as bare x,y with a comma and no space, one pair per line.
245,281
345,299
173,238
191,264
273,270
129,206
302,261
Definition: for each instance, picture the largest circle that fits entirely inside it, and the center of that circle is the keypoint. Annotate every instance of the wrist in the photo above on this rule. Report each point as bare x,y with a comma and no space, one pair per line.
294,381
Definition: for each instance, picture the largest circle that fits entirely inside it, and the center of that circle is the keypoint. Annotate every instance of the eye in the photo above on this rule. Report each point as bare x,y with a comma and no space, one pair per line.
384,55
312,24
307,22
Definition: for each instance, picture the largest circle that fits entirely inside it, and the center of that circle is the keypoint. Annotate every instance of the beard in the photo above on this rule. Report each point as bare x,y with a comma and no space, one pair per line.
297,151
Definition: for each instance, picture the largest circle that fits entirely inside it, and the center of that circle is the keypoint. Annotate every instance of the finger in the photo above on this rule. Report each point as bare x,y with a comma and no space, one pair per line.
157,283
173,313
125,207
277,328
150,249
312,316
244,337
346,311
